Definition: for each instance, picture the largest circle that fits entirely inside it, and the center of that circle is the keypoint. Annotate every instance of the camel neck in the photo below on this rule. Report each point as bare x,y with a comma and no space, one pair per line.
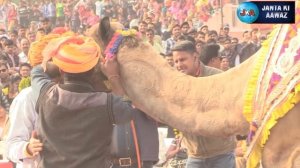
230,85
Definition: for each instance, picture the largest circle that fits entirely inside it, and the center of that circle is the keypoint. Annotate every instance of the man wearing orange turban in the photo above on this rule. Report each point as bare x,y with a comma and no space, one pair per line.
73,54
36,48
75,122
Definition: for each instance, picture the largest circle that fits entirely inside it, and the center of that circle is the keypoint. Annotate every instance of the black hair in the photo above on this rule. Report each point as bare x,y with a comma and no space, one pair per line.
5,65
26,65
3,57
227,39
209,52
14,32
184,23
211,41
200,32
150,30
143,22
245,32
135,27
84,76
234,38
41,29
176,25
8,43
185,45
14,78
212,32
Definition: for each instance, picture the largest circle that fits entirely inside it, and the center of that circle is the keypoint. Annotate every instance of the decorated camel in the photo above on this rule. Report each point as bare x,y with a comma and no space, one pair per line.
263,94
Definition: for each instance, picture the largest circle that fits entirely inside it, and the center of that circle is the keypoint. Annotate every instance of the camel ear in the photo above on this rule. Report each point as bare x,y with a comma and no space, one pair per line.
105,31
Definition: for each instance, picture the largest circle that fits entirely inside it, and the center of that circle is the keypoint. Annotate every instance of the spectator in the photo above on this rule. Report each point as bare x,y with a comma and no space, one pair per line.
13,35
4,103
11,15
226,30
203,152
22,142
51,11
13,88
172,40
107,8
224,66
35,14
185,27
255,37
46,25
229,51
40,33
60,13
248,48
212,35
199,46
25,69
210,56
31,36
75,21
23,56
142,29
23,14
2,32
12,58
21,34
68,7
98,5
148,20
169,59
3,39
4,75
204,29
192,33
22,136
152,41
33,26
4,126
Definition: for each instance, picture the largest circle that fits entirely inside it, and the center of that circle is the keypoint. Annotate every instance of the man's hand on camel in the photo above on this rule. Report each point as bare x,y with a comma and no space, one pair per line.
110,68
34,146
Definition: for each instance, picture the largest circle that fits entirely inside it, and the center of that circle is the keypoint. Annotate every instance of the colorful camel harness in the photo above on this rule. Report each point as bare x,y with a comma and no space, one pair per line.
274,87
115,42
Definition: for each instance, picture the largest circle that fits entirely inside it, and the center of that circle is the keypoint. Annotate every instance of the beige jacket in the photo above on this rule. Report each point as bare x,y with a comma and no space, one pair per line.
206,147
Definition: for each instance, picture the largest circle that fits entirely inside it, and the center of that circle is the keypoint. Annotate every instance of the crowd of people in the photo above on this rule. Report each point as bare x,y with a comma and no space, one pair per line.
170,26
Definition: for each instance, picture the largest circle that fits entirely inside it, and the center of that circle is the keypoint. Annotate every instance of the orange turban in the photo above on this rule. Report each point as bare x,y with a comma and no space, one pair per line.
36,48
73,54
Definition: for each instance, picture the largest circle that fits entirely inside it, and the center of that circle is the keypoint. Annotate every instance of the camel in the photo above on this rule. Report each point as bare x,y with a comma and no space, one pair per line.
209,106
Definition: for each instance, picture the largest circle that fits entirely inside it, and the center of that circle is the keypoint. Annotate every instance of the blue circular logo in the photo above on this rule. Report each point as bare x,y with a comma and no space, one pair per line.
247,12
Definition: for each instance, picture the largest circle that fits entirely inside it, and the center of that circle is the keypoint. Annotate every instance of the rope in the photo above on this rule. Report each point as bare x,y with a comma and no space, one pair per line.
138,157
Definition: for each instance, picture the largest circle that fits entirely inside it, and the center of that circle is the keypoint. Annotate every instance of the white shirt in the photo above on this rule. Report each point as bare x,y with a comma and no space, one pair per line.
23,57
23,120
98,5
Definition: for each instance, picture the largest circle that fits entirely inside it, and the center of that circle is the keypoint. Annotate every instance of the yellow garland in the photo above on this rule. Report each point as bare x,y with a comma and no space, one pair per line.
255,156
129,32
177,133
252,83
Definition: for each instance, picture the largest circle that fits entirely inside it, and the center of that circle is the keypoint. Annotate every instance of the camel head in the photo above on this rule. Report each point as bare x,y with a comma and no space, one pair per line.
102,33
